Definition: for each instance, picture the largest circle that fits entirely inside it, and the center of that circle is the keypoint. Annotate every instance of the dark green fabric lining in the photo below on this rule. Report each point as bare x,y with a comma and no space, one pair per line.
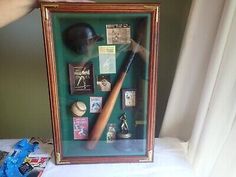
137,78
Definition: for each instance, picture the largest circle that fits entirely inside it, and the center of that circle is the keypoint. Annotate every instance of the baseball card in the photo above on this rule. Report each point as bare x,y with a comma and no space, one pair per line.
95,104
80,125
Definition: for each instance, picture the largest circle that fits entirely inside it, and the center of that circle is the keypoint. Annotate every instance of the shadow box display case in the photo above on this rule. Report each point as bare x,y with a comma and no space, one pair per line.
102,74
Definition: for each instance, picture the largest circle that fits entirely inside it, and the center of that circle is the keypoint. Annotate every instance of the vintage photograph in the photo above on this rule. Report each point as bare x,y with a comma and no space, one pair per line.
128,98
104,83
81,78
118,33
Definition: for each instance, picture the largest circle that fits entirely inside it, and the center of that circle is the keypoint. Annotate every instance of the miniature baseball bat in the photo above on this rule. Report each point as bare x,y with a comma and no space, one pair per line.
109,105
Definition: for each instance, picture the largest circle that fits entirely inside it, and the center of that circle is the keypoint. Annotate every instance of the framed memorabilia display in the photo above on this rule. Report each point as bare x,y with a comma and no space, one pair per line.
101,59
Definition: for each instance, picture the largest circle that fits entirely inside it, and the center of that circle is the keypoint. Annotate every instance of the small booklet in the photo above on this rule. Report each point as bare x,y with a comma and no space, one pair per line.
35,166
36,161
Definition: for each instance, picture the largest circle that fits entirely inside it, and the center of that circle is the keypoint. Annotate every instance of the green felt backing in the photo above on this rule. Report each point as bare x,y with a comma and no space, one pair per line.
137,78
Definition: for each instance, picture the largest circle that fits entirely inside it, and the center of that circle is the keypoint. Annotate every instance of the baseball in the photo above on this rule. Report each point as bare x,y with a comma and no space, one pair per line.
78,108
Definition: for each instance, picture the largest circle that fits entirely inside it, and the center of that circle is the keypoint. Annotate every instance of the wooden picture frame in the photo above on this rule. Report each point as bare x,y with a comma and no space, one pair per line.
135,68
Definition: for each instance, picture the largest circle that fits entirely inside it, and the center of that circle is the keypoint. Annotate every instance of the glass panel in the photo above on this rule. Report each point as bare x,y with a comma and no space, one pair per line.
92,50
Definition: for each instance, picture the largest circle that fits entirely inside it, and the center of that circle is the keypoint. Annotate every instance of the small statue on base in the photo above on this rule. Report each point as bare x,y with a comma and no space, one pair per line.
124,128
124,142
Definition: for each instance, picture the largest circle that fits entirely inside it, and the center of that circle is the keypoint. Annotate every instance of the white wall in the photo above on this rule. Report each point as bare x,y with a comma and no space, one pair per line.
24,106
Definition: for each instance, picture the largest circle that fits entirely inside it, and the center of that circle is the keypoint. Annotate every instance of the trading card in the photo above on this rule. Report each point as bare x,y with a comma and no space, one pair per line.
80,125
95,104
128,98
25,168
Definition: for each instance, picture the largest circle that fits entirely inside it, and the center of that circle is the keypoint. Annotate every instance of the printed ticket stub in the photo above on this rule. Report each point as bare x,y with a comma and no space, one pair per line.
107,59
118,33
